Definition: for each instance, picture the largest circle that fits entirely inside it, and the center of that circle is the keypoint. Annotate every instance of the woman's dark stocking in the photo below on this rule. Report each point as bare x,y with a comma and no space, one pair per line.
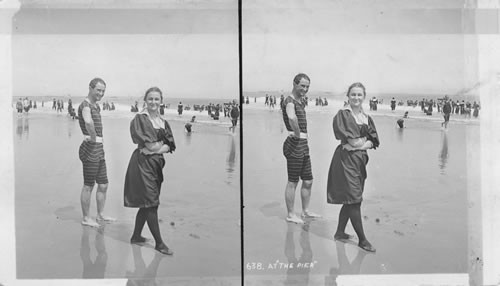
343,219
140,220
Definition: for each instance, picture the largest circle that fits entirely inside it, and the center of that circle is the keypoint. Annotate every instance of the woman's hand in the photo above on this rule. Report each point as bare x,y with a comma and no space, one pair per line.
146,151
370,144
163,149
357,142
367,145
348,147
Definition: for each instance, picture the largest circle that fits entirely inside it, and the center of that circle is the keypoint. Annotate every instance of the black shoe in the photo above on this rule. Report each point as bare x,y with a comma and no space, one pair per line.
164,250
367,247
138,240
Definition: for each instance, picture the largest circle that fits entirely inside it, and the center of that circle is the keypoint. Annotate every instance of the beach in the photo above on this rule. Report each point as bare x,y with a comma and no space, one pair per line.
419,210
419,202
199,203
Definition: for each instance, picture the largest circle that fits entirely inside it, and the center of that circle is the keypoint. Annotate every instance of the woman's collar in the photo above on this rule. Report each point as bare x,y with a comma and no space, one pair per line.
348,107
145,111
364,117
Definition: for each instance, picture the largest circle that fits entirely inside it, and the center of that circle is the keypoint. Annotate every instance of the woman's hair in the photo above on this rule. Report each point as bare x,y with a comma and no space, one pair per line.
151,89
357,84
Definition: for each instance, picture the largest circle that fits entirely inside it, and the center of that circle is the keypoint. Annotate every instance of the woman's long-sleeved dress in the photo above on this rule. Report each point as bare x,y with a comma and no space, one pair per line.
145,172
347,174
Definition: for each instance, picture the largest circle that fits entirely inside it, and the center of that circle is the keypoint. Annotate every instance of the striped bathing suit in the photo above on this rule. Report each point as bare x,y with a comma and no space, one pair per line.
296,150
92,153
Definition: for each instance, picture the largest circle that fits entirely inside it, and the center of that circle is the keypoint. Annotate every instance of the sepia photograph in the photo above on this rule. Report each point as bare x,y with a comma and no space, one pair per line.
126,145
366,169
250,142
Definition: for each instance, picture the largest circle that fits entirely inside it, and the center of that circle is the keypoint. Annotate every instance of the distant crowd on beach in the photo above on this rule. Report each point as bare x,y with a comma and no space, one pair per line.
271,101
229,109
24,105
465,108
213,110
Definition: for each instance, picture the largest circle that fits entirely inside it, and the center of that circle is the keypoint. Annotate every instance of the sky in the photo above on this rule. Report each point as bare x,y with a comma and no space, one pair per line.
389,46
55,52
190,48
191,65
189,51
383,63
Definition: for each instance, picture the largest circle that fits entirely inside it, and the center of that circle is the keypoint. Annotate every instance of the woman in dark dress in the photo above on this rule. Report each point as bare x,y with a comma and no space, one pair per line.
346,178
144,177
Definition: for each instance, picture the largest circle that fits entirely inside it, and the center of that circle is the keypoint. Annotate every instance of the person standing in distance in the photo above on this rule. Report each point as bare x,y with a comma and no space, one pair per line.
235,113
91,153
180,108
393,104
446,113
296,149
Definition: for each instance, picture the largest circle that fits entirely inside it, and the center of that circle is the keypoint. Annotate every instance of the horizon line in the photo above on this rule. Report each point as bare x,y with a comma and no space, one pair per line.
371,93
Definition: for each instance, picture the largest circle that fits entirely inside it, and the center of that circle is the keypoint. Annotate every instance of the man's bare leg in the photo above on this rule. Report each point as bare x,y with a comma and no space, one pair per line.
290,201
101,201
305,194
85,202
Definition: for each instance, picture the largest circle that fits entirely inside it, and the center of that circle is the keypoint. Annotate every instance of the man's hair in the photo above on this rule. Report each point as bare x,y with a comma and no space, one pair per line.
151,89
94,82
300,76
356,84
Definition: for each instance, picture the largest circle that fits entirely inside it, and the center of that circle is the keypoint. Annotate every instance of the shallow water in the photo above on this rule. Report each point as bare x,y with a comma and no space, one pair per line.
415,204
199,211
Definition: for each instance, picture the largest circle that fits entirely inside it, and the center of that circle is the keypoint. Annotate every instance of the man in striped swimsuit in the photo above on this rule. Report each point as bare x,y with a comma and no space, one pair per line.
296,149
91,153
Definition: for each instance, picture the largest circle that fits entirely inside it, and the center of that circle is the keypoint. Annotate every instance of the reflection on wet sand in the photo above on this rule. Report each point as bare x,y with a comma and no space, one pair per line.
70,128
400,134
187,135
443,154
231,158
344,266
97,268
23,127
299,273
41,166
143,275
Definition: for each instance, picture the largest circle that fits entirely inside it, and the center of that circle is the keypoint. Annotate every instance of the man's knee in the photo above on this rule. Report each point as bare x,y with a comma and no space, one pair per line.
292,184
307,184
102,188
87,188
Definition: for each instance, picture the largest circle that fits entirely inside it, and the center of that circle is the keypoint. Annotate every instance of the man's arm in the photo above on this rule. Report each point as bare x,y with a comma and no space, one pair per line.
292,119
89,123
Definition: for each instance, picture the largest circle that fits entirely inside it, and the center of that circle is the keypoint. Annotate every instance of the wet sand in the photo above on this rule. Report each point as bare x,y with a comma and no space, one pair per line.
199,204
416,207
